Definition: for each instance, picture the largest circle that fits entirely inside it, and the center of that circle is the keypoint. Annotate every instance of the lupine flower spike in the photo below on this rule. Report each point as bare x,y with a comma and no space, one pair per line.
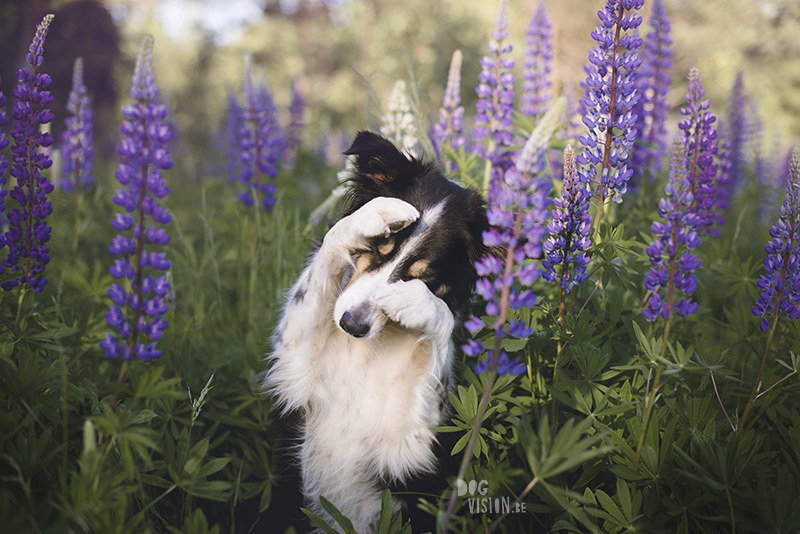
29,232
611,96
139,304
448,130
672,263
780,285
518,221
738,132
565,249
260,143
77,144
398,122
4,120
495,107
294,131
234,123
652,84
538,56
701,144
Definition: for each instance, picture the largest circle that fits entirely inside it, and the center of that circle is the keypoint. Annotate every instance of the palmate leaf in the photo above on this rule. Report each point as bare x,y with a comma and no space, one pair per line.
550,454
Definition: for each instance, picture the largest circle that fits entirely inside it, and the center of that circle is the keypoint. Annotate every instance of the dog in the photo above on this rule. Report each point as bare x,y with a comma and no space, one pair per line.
363,356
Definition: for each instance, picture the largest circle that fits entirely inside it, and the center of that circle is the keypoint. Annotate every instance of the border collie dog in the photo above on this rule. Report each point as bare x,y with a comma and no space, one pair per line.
363,356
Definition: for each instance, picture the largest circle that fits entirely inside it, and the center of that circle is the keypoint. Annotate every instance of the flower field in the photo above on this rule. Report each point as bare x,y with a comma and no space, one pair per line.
629,362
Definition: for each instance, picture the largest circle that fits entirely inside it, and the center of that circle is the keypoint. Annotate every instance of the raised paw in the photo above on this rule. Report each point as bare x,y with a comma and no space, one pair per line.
411,304
383,216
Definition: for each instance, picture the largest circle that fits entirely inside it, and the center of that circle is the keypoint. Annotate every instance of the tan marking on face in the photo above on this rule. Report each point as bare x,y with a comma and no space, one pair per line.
363,262
442,290
418,268
387,247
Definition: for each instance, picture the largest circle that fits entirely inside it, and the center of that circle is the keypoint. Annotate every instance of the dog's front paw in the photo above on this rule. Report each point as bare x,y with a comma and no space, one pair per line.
412,305
383,216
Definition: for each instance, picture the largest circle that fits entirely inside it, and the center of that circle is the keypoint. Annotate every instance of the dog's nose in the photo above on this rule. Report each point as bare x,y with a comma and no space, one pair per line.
353,326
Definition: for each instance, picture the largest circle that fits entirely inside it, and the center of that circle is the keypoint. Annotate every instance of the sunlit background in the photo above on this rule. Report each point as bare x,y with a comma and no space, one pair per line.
346,55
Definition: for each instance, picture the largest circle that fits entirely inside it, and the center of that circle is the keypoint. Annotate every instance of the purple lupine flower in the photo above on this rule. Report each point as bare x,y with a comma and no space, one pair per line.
77,141
518,219
448,130
672,262
565,248
610,98
701,142
538,55
722,180
4,120
260,144
294,130
138,315
234,122
495,107
29,232
780,286
738,132
772,179
653,85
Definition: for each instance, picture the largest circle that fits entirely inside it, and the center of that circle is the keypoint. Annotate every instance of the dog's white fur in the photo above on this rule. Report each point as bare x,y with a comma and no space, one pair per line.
368,404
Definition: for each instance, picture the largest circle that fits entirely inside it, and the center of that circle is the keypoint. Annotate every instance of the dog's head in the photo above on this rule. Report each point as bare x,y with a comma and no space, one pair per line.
440,248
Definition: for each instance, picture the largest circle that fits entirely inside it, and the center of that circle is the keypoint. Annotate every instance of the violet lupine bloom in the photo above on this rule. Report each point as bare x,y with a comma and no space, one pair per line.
4,120
673,264
722,180
260,144
518,219
77,142
29,232
772,180
294,130
234,122
701,142
611,96
780,286
138,315
448,131
738,131
538,56
565,248
652,84
495,107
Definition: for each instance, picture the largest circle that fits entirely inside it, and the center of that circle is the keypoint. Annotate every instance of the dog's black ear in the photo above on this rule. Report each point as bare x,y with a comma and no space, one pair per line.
376,158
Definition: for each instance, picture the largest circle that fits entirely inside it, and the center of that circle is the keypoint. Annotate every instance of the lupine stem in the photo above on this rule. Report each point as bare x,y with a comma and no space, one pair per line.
78,203
757,382
493,365
521,496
